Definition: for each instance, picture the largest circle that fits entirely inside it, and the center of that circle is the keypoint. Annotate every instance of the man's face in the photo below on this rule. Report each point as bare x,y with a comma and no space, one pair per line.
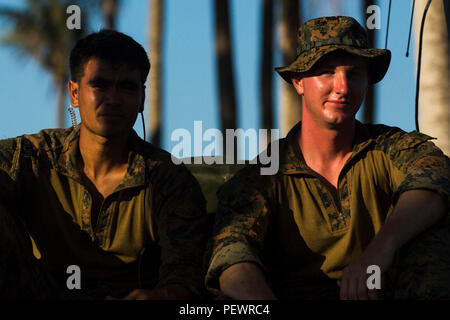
334,89
109,98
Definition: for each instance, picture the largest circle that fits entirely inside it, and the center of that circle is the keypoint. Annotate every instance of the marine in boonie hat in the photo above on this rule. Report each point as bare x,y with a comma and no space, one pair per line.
318,37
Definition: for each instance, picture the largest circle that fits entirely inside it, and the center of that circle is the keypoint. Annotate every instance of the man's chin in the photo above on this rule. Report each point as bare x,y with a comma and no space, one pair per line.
111,132
340,122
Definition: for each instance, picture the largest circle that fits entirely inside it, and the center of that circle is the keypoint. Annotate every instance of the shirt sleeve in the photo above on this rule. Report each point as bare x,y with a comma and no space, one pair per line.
182,229
240,226
9,172
419,164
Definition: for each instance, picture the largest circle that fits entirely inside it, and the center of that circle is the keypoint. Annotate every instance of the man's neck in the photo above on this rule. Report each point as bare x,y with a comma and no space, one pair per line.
326,150
102,155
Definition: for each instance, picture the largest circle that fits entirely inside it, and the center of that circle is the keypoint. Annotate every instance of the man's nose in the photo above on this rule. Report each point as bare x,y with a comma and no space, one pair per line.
341,82
114,94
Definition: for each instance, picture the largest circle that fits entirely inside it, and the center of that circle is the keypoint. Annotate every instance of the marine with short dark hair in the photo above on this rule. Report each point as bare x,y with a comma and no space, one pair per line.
97,196
347,196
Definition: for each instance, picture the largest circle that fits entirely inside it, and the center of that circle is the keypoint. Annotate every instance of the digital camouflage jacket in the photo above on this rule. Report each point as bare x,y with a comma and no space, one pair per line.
162,210
292,226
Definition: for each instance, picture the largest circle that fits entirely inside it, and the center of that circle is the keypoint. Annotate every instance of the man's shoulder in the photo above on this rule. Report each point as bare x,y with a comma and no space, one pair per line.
163,168
157,158
379,132
247,182
392,138
44,139
252,180
49,138
8,145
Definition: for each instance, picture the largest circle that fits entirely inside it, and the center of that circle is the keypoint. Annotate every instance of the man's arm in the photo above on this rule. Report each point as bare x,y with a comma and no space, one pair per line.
178,208
416,211
241,225
420,179
245,281
182,229
10,173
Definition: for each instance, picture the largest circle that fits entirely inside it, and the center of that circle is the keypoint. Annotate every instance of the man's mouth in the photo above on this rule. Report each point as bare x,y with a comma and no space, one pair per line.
338,103
111,114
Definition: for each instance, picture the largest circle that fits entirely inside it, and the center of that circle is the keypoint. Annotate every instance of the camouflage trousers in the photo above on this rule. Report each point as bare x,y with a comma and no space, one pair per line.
421,269
21,274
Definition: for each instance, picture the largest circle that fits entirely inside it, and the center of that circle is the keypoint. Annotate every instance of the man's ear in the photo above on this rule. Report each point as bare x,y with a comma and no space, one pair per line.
297,82
72,87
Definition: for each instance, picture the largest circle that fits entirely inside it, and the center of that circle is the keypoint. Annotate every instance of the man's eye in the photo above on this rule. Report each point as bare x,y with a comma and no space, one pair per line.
129,87
99,85
326,72
356,74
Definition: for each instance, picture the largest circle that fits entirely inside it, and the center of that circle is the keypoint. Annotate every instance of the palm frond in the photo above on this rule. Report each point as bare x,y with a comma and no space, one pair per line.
40,32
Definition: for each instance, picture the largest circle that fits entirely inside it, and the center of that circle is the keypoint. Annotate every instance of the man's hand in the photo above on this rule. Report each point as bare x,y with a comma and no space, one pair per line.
169,292
354,276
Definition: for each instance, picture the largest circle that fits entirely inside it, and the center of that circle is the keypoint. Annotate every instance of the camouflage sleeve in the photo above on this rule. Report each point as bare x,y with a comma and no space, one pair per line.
9,160
420,165
240,226
182,228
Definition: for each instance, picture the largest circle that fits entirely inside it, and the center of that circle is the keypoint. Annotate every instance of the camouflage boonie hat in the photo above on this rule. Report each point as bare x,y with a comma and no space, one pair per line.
318,37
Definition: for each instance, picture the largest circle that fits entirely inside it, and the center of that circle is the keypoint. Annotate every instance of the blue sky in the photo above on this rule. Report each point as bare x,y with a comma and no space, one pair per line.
28,99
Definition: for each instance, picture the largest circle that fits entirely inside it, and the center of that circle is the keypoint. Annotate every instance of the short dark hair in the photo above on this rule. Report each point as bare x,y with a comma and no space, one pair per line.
112,46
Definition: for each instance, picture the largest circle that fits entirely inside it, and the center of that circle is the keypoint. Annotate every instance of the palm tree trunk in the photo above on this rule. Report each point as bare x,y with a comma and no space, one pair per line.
266,76
109,11
434,112
288,25
61,85
224,60
447,17
369,103
155,85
